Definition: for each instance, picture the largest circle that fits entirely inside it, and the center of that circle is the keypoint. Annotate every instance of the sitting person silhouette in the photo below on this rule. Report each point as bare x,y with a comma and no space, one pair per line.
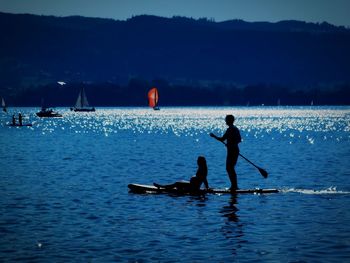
195,182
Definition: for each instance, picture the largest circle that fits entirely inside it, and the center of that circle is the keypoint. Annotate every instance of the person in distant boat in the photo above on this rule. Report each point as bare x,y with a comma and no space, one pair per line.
13,120
20,119
233,138
195,182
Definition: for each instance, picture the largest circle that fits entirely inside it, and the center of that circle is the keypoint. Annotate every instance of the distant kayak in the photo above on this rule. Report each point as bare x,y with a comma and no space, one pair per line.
144,189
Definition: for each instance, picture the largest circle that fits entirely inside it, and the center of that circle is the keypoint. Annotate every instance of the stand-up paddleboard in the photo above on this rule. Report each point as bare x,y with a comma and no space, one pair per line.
143,189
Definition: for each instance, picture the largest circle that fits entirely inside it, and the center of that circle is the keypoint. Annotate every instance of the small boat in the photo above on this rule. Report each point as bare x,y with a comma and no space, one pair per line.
49,113
45,112
151,189
82,104
153,98
3,105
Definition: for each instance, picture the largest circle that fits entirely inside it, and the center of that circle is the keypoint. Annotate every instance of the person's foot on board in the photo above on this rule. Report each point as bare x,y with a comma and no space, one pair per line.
233,189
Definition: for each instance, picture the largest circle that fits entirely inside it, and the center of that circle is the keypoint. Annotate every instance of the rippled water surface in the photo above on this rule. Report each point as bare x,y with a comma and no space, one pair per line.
64,196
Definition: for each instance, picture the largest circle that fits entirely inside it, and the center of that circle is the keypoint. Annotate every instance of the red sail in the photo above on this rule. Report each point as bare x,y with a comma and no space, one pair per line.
153,97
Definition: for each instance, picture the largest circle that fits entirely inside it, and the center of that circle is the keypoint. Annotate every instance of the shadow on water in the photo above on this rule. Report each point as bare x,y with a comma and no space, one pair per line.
230,211
232,229
195,200
198,200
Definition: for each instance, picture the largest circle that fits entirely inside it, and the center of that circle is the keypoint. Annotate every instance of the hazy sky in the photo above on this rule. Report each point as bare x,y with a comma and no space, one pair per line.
333,11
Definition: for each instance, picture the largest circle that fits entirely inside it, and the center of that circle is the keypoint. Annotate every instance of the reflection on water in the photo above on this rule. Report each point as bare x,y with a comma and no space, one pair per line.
232,229
291,122
230,211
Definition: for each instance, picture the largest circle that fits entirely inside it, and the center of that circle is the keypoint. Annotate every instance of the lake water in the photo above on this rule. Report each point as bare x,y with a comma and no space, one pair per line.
64,195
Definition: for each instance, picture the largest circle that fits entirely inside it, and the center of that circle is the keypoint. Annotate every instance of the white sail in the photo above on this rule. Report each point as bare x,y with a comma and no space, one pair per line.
3,105
78,103
82,101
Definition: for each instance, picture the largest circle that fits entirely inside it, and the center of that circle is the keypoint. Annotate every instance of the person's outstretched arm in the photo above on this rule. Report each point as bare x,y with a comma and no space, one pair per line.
221,139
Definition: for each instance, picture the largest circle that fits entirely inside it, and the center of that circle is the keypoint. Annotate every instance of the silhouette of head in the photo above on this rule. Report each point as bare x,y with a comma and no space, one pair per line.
202,162
230,119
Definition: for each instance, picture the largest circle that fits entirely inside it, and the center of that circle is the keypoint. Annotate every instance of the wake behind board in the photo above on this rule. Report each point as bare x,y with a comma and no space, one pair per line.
143,189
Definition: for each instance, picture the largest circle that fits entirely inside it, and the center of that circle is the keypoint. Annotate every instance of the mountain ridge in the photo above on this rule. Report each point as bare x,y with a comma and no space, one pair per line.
39,50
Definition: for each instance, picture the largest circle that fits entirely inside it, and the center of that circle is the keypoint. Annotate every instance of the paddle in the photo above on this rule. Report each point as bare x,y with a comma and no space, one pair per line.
261,170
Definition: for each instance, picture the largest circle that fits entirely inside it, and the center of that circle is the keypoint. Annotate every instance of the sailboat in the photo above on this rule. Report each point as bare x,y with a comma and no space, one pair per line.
153,98
82,103
3,105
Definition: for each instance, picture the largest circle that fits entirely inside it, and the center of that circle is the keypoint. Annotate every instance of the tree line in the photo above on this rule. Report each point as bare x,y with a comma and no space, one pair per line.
134,93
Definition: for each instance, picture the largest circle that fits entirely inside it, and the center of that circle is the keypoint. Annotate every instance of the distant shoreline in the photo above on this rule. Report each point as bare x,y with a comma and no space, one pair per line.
134,94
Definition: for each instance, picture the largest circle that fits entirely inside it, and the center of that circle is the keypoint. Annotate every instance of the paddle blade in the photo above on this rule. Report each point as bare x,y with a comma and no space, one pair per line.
263,172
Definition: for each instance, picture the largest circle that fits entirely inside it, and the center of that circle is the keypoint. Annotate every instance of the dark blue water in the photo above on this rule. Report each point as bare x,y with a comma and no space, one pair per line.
64,196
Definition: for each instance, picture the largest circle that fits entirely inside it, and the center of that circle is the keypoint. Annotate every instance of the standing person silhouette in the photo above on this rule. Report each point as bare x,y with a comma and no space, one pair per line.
20,119
233,138
13,120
